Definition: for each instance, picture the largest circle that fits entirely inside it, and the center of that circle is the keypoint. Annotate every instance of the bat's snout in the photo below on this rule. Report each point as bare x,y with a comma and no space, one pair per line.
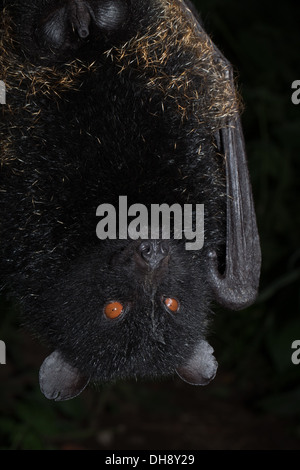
151,253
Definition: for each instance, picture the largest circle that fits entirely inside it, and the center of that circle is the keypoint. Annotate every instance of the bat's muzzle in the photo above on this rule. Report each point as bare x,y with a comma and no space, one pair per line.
152,253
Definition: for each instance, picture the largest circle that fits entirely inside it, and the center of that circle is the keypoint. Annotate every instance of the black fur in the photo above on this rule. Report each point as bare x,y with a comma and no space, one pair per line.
82,126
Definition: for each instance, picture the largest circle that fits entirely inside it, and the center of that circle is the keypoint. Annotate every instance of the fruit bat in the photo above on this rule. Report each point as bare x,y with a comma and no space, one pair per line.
111,98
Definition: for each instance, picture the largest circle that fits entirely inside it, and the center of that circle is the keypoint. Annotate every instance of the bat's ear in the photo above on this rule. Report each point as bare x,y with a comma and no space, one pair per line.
60,381
70,22
202,366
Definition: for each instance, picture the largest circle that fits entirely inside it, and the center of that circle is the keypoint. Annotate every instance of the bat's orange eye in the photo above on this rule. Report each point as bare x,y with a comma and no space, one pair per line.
113,310
171,304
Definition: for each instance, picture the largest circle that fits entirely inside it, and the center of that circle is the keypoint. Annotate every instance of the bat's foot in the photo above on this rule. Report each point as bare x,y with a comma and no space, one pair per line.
76,19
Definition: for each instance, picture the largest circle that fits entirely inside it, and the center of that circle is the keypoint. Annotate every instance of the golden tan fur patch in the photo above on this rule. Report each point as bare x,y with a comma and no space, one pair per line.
171,58
49,81
168,41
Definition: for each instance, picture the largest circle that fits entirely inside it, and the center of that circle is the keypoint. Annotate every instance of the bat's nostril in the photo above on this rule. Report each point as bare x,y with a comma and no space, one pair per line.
146,250
153,251
164,248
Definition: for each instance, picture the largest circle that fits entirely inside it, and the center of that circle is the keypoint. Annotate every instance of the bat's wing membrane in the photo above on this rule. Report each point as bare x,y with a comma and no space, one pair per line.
237,287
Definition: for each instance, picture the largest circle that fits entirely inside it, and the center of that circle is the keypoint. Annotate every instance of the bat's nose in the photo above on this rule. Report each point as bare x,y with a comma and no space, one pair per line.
153,252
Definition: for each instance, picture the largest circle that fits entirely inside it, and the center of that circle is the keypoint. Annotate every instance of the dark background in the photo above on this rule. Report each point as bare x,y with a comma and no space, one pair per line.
254,402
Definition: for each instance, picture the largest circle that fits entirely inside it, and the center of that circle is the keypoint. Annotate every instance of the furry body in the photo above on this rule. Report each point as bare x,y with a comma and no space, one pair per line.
131,110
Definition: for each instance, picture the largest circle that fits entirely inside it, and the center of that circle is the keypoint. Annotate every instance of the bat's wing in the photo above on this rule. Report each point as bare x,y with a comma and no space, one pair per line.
237,287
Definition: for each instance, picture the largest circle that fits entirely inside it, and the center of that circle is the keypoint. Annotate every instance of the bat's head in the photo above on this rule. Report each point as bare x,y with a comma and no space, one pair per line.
129,309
